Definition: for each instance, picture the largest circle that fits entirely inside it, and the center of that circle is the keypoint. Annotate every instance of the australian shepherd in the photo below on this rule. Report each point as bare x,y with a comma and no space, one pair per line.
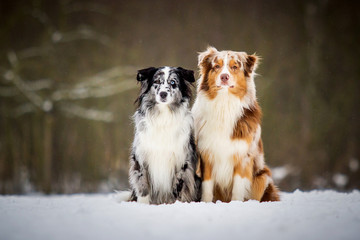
227,120
163,157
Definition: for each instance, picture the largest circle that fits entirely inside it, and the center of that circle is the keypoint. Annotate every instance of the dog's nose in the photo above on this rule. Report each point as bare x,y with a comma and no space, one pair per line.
224,77
163,94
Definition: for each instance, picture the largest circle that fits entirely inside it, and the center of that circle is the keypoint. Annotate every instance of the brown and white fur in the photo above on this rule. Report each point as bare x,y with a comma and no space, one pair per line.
228,129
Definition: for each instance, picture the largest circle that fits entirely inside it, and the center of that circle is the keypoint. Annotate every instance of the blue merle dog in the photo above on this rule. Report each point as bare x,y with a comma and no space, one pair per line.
163,157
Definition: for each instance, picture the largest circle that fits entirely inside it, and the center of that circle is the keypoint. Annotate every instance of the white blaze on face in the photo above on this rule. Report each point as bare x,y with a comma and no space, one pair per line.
225,70
164,88
166,72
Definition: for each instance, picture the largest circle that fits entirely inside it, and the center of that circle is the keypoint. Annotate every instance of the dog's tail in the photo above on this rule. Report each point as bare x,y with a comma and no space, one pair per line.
124,196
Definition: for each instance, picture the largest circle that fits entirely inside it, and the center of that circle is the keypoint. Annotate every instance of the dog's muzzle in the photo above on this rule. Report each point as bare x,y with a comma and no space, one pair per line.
163,96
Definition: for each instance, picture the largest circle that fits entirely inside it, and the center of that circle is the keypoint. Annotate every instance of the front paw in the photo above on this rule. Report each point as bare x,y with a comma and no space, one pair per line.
145,199
207,197
207,188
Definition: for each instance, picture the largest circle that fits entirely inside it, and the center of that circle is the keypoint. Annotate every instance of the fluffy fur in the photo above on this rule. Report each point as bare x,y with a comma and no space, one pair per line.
228,129
163,157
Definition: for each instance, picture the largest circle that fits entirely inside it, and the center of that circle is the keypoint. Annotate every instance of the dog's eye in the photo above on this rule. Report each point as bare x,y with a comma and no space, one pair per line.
172,82
157,81
234,67
217,66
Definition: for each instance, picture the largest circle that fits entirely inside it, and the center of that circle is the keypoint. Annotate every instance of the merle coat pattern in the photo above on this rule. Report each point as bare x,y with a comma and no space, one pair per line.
163,157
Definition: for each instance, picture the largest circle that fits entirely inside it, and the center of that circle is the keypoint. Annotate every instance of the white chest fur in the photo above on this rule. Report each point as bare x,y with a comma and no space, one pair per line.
162,145
214,124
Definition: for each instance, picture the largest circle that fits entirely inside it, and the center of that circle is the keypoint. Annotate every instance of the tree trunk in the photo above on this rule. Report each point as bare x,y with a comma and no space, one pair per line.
47,164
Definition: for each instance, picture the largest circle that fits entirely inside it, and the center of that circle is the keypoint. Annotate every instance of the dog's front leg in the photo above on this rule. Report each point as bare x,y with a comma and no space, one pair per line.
178,184
241,186
185,188
241,182
139,180
207,185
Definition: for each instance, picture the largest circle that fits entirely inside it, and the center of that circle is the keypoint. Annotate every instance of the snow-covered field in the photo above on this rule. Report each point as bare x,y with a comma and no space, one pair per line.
300,215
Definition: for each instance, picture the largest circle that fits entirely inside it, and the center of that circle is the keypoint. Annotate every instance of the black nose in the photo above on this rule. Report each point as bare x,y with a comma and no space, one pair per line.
163,94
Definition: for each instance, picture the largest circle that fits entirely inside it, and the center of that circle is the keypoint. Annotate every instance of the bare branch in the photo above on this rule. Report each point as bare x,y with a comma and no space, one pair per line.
39,84
90,114
82,93
33,52
84,32
93,87
23,109
21,85
27,85
13,59
88,7
31,96
43,18
101,77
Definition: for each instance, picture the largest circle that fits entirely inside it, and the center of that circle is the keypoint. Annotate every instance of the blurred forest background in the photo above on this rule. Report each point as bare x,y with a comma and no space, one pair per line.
67,85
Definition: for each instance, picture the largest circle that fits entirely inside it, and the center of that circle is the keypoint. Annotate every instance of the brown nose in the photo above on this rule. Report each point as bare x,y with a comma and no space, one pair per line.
224,77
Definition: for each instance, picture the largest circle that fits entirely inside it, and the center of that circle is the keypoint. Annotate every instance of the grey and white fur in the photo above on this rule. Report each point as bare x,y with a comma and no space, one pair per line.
163,157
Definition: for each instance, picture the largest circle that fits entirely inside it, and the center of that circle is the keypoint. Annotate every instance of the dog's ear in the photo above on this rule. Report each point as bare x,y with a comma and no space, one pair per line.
251,64
187,75
146,74
204,58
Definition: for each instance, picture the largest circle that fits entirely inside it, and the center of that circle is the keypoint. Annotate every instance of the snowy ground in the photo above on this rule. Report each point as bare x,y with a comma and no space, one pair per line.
300,215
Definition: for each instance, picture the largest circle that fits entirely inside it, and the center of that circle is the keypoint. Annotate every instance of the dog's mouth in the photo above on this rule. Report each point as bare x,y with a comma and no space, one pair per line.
161,100
225,86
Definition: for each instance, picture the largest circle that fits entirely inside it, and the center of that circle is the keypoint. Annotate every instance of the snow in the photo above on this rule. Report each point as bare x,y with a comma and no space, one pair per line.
300,215
340,179
279,173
